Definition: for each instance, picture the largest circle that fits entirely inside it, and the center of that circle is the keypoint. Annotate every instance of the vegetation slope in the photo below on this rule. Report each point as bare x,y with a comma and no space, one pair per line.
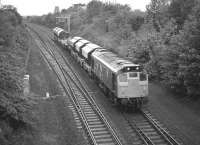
14,106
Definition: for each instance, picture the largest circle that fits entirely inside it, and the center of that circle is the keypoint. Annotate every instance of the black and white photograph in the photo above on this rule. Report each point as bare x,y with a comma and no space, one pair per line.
100,72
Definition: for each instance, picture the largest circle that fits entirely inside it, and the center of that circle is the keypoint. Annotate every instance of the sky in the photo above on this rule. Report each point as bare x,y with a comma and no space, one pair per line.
40,7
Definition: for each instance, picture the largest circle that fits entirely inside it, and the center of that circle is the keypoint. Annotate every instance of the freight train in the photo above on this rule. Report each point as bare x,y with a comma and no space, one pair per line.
123,81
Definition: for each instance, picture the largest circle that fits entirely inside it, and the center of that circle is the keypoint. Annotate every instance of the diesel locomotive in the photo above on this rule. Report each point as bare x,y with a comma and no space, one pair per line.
123,81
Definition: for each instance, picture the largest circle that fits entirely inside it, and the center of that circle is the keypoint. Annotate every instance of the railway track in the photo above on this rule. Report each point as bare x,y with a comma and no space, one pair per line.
94,122
145,129
149,131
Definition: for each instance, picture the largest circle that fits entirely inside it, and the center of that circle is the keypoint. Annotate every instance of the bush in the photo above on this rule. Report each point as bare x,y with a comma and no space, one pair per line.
13,49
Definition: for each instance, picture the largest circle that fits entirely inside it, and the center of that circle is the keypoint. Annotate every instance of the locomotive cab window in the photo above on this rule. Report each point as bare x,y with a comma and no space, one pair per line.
133,75
143,76
123,77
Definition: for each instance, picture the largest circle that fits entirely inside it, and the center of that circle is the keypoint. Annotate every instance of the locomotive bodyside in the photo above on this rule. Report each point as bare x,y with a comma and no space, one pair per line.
102,71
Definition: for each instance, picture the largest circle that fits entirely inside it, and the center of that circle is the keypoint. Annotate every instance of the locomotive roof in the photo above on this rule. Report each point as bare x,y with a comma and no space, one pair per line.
112,60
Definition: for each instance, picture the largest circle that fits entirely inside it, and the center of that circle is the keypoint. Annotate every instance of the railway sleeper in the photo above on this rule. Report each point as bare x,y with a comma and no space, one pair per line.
147,130
97,122
100,133
104,140
93,120
103,136
97,126
98,129
92,117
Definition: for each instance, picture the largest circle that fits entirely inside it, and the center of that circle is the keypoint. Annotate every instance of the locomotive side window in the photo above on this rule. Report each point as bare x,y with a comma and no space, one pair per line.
143,77
123,77
133,75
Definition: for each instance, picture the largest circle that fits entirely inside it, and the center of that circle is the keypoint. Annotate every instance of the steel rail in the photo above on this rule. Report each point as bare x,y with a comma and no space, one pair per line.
87,93
166,138
81,114
141,134
90,98
162,131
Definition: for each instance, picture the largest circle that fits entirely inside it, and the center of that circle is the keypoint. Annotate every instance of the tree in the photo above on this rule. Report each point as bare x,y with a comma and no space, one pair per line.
93,9
136,19
190,57
156,11
179,10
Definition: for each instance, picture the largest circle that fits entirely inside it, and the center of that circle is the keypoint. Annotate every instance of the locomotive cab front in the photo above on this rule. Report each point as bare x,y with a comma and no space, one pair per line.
132,84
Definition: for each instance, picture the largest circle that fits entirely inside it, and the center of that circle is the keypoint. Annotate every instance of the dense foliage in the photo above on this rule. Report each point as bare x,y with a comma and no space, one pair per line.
164,39
13,50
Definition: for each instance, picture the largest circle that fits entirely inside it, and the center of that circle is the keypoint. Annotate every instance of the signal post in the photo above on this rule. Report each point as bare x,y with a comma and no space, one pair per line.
63,19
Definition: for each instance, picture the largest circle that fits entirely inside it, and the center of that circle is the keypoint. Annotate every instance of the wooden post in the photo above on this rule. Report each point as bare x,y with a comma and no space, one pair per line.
68,22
